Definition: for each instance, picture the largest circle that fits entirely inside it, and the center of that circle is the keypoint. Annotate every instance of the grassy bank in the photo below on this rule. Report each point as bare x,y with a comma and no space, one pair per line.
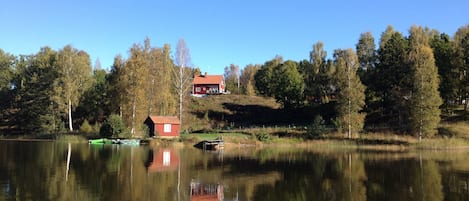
455,137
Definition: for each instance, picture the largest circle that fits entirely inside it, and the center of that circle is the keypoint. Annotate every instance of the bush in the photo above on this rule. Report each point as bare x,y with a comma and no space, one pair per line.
263,136
86,127
112,127
317,128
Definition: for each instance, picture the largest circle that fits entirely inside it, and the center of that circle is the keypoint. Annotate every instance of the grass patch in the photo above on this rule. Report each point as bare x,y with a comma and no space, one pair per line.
237,138
455,130
71,138
443,143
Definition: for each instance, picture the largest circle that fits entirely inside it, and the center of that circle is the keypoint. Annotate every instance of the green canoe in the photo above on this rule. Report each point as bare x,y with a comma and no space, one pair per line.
100,141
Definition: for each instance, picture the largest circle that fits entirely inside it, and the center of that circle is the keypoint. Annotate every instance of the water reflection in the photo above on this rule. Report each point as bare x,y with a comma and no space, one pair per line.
162,160
206,192
57,171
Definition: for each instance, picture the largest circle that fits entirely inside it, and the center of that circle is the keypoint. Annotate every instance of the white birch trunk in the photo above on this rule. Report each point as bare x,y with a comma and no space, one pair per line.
134,105
70,125
181,90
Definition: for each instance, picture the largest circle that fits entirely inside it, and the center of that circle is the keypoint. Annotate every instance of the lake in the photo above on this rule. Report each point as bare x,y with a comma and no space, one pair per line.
60,171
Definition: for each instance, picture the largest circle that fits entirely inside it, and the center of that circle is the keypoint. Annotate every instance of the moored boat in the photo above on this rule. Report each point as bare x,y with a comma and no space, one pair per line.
115,141
100,141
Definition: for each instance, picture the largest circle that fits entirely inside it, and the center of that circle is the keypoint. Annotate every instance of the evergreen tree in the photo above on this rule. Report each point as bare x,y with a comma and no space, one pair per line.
38,113
94,103
461,63
385,36
6,70
7,63
115,85
350,92
392,83
425,100
443,50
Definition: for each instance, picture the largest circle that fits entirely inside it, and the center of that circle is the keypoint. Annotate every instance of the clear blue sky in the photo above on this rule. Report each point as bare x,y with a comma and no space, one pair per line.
217,32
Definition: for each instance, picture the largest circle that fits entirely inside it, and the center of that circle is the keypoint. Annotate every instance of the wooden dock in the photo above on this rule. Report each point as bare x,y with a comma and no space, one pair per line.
217,144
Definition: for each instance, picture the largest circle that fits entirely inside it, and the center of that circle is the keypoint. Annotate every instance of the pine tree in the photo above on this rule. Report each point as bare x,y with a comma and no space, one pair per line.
461,63
115,85
425,100
443,50
36,83
393,87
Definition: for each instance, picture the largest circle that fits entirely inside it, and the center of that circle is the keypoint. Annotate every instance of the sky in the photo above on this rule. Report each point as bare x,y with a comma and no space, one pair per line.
217,32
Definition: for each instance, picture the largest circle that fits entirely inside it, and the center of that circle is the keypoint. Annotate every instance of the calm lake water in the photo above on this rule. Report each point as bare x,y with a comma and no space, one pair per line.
57,171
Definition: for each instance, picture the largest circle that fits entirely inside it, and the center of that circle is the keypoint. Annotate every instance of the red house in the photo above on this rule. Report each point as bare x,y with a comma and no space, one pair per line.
163,126
208,84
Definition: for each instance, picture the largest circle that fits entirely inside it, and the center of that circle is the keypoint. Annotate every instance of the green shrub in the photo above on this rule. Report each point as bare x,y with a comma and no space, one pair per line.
263,136
86,127
112,127
317,128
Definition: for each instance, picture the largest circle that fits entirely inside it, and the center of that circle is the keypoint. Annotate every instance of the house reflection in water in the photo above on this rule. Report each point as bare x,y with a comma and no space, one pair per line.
162,160
206,192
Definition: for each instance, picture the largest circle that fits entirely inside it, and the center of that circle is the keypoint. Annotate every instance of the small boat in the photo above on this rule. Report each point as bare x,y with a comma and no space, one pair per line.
100,141
129,141
115,141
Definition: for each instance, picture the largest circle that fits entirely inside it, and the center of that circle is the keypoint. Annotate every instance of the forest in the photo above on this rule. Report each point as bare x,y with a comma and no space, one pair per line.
406,84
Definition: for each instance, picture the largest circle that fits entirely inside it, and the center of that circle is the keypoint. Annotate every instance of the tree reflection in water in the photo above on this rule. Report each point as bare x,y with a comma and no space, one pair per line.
55,171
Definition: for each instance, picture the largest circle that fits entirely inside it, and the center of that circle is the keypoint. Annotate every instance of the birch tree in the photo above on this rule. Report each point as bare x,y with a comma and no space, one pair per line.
351,92
135,71
425,100
182,74
232,74
74,78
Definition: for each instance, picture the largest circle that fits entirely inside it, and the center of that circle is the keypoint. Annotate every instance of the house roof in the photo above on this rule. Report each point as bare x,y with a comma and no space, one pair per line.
208,79
165,119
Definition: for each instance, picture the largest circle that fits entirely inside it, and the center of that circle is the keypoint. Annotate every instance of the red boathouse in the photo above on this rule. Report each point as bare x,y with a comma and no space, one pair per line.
163,126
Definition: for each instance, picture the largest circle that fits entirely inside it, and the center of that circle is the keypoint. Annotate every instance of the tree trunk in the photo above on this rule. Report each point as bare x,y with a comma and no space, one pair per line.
180,106
181,91
132,130
70,125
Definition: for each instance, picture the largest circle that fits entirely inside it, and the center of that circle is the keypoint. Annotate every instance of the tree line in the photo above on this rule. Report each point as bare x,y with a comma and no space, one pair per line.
59,91
405,84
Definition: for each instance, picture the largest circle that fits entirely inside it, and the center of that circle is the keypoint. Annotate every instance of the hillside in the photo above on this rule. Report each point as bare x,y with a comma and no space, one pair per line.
234,111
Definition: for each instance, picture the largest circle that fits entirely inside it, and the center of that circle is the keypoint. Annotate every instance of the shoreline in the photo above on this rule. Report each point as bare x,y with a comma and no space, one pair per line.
389,144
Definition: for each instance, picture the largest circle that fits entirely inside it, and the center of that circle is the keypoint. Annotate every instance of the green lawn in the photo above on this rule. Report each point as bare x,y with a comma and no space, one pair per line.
212,136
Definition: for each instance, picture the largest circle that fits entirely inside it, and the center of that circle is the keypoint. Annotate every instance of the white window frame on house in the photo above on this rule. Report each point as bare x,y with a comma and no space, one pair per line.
197,89
167,128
